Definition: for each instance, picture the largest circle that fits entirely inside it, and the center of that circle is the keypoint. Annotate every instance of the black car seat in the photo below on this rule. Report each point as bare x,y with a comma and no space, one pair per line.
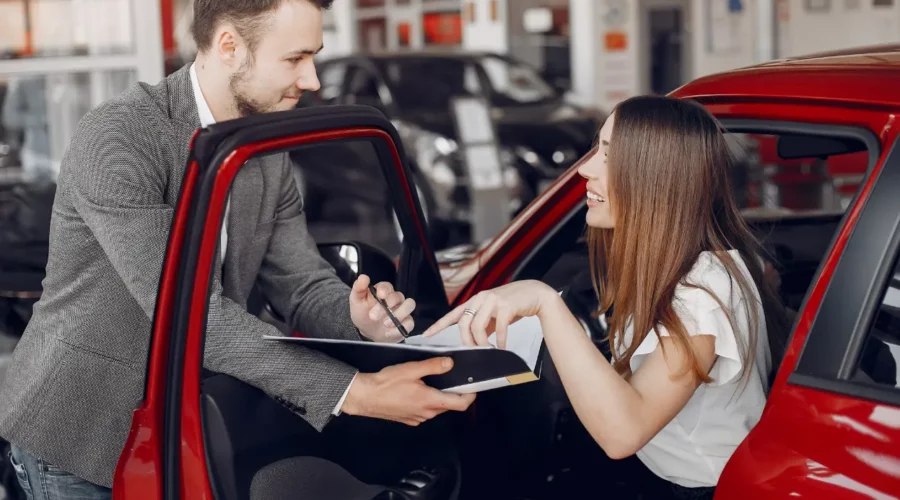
25,211
256,446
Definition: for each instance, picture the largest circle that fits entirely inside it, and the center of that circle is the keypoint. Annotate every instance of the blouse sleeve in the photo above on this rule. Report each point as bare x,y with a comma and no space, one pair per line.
701,314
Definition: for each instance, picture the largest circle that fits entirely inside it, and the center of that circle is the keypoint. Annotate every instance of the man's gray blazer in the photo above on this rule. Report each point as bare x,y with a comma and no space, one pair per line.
78,372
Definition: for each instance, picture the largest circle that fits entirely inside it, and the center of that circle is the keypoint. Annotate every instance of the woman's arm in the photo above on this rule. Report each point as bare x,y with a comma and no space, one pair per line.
622,416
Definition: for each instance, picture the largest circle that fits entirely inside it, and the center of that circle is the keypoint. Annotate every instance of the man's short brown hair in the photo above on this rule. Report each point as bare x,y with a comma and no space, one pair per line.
247,16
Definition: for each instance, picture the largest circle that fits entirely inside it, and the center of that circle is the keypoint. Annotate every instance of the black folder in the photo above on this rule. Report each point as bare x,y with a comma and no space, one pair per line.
475,368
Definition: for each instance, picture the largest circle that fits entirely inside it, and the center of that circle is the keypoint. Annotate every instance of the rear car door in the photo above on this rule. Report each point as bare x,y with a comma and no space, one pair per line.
831,428
174,451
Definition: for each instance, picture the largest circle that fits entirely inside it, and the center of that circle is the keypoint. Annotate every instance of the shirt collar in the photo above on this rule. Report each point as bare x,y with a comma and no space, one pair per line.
206,116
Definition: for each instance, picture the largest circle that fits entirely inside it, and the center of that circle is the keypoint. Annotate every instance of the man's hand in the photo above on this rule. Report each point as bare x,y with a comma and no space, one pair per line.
397,393
371,319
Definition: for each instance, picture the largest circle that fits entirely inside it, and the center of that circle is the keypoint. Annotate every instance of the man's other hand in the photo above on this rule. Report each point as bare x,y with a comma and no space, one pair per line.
397,393
371,319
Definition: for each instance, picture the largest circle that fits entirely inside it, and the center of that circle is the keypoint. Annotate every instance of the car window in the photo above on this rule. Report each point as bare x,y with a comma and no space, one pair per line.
331,79
879,362
515,83
363,87
790,174
794,206
345,195
29,163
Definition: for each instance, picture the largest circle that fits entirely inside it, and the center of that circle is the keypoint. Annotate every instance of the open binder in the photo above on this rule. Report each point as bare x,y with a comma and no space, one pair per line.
475,368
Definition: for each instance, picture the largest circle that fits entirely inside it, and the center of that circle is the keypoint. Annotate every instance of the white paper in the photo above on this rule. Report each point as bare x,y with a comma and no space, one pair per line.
524,338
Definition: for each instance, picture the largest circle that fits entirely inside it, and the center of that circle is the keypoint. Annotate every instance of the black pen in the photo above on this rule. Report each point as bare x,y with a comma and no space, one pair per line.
389,313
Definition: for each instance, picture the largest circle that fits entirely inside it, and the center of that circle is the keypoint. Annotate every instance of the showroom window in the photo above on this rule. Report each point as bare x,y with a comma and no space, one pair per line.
58,60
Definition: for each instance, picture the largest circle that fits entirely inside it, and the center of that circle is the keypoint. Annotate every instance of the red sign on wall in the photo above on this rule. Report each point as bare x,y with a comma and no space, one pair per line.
442,28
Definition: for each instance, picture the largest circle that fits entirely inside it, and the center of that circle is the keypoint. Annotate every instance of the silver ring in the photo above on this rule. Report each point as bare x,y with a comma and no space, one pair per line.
470,312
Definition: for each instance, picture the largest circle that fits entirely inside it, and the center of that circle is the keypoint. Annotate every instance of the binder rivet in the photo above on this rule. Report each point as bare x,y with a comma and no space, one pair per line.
471,379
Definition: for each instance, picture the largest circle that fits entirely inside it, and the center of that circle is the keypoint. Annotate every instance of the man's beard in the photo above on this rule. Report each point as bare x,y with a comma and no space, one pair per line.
244,104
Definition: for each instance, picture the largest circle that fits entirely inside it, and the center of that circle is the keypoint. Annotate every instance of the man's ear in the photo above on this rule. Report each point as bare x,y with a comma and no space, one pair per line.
226,45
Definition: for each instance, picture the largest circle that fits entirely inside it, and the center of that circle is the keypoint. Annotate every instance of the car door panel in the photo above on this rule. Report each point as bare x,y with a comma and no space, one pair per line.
823,433
166,456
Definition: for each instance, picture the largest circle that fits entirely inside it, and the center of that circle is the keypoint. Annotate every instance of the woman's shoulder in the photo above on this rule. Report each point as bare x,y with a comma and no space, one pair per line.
711,275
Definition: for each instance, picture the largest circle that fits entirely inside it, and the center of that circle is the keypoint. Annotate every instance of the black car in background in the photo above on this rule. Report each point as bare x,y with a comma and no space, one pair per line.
540,134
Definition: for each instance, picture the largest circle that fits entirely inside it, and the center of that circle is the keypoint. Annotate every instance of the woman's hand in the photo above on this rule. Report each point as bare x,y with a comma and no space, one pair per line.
492,311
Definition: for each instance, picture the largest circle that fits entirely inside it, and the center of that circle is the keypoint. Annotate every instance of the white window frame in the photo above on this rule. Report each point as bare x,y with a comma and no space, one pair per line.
146,58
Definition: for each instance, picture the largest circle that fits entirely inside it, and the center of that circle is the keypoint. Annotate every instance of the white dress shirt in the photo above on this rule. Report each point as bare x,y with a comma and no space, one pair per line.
207,119
694,447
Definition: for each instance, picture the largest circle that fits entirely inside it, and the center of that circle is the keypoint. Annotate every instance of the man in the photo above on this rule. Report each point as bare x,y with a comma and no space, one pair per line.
78,372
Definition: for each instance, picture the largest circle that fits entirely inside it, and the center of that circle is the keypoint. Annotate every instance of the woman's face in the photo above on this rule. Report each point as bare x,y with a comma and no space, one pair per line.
595,169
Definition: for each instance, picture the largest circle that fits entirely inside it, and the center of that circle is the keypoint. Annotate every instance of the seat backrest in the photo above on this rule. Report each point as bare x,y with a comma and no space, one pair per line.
246,430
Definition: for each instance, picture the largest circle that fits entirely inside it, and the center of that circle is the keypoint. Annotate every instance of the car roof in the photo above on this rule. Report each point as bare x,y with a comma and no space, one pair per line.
865,75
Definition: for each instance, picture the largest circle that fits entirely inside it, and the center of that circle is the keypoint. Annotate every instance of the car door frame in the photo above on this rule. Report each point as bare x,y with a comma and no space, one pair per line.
812,386
164,456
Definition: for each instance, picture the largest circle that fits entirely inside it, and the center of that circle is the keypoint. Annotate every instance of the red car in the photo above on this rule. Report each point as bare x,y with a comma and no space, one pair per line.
831,427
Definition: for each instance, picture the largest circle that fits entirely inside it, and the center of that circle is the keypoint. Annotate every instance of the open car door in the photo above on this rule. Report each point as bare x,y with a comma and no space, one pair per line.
176,449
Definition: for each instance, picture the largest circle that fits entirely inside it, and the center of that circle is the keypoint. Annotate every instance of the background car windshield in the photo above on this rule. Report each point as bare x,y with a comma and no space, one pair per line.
430,83
515,83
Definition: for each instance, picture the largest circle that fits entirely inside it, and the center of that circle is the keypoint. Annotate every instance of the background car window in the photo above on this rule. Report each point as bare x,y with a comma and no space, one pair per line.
515,83
880,357
364,88
429,83
331,78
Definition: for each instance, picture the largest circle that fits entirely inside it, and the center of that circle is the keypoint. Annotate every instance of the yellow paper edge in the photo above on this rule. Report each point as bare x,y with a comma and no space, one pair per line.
521,378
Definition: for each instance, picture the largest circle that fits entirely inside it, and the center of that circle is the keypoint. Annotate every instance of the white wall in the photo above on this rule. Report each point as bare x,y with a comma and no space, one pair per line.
585,50
839,28
339,39
726,46
618,75
483,33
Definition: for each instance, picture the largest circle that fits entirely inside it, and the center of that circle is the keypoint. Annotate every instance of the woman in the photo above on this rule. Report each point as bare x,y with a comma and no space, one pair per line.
681,278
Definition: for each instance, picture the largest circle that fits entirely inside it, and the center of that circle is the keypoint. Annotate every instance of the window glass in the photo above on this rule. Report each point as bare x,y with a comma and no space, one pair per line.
879,362
423,83
796,174
515,83
48,28
793,205
38,115
345,195
331,79
363,84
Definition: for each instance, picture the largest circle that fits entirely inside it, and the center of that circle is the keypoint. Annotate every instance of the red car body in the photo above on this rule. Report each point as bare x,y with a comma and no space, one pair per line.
819,437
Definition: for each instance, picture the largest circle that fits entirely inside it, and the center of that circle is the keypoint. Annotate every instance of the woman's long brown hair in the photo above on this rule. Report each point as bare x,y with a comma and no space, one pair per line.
671,200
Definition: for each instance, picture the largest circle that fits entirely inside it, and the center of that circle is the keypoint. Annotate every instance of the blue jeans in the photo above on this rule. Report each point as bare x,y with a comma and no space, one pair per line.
45,481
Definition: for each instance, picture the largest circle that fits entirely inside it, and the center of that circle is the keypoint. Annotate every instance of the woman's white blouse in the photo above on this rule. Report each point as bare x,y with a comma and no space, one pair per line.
693,448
